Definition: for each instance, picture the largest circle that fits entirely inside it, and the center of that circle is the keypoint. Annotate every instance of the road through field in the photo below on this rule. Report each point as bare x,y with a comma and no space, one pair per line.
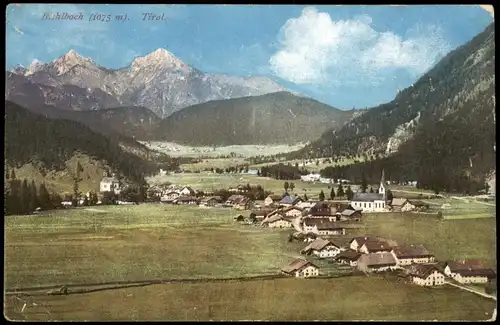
471,290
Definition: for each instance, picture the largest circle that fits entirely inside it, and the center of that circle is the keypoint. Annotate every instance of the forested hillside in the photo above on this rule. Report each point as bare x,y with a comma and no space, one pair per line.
49,143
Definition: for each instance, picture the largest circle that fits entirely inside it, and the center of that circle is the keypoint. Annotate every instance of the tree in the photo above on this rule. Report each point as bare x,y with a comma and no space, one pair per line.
297,165
286,186
332,194
25,197
44,197
305,197
12,174
321,196
34,202
389,195
292,186
349,193
371,189
364,185
86,201
258,173
340,191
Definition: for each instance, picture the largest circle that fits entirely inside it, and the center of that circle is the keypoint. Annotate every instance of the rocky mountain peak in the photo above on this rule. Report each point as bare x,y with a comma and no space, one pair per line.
158,57
36,65
69,60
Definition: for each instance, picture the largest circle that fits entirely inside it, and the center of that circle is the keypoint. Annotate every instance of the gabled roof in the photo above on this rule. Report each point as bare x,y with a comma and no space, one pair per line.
422,270
489,273
235,198
398,201
377,246
318,245
377,259
109,180
297,265
292,208
363,239
464,265
288,199
325,224
367,197
275,197
188,198
262,212
349,212
274,218
349,255
411,251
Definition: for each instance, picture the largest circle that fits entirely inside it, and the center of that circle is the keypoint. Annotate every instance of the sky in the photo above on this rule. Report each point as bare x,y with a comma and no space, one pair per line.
345,56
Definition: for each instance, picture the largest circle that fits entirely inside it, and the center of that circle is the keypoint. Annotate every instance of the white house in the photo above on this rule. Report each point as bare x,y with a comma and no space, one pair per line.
410,254
425,275
356,243
349,257
310,177
377,262
305,204
372,202
109,184
292,211
322,248
301,268
186,191
376,246
401,205
170,196
277,221
272,199
324,227
471,271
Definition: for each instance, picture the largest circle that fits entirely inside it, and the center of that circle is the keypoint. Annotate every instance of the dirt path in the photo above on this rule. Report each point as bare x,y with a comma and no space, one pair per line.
471,290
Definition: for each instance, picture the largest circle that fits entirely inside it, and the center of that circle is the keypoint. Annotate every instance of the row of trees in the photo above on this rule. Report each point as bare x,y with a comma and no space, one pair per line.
282,171
23,197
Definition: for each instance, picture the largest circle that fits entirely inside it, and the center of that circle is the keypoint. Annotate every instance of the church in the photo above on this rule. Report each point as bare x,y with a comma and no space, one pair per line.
372,202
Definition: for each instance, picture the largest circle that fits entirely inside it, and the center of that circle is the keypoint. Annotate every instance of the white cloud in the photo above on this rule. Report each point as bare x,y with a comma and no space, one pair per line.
317,50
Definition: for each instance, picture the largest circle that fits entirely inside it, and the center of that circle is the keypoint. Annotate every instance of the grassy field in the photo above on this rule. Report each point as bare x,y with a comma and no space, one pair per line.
154,241
448,239
133,243
206,181
352,298
461,208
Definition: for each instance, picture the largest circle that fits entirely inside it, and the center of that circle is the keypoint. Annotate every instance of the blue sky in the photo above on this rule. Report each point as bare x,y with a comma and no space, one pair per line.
345,56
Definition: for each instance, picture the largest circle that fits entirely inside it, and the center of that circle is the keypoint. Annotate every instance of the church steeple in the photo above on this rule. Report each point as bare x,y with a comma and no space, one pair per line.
382,189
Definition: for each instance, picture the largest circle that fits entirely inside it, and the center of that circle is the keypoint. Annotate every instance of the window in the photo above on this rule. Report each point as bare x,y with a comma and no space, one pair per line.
364,205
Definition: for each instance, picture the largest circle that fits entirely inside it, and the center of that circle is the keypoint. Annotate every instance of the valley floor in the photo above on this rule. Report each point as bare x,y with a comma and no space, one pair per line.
156,241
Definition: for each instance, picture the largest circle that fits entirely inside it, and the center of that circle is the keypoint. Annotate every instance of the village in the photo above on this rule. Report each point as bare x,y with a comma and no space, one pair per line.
325,225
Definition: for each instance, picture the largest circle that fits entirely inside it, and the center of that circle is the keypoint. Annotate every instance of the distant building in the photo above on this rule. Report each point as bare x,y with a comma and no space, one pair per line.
377,262
301,268
272,199
468,271
277,221
349,257
410,254
324,227
401,205
110,184
425,275
372,202
322,248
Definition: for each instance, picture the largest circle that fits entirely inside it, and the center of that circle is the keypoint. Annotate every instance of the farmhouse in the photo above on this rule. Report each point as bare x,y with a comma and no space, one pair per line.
377,262
323,210
324,227
187,191
277,221
186,200
243,204
401,205
322,248
210,201
349,257
409,254
288,200
272,199
170,196
110,184
349,214
375,246
292,211
425,275
238,189
261,214
471,271
301,268
356,243
233,200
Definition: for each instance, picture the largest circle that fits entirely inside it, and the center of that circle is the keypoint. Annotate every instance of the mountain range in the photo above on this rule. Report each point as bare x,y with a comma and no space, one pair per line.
440,130
159,81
